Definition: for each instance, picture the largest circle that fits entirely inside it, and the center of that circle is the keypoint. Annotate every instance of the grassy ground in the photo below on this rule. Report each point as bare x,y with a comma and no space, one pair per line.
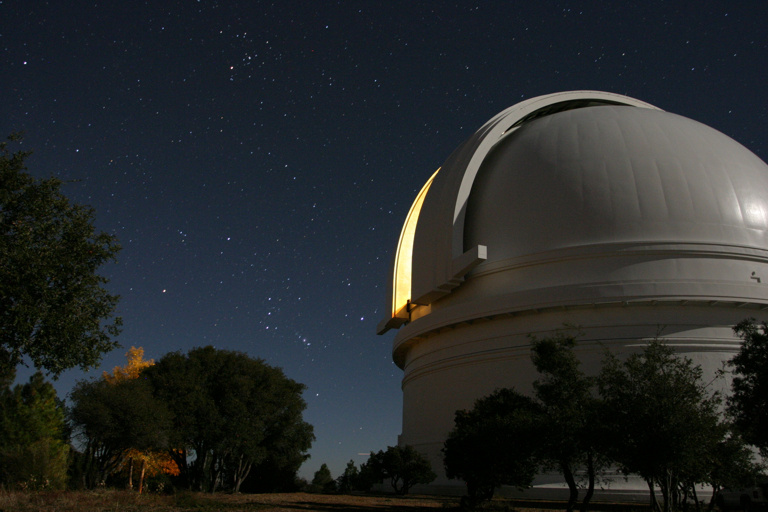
127,501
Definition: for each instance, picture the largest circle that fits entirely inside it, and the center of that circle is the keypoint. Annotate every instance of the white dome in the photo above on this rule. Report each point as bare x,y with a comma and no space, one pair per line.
583,176
616,174
582,208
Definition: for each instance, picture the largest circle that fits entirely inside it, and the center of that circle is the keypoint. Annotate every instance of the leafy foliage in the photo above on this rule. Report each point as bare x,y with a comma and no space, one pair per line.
350,479
136,363
729,465
571,433
748,405
112,420
53,306
486,447
231,414
650,414
33,436
148,461
556,429
323,480
403,466
662,417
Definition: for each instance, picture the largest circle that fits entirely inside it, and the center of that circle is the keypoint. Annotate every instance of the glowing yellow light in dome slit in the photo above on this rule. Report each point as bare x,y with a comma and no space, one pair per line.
401,286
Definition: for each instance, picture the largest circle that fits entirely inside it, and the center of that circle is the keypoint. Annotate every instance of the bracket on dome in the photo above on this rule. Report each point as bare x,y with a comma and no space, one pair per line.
460,268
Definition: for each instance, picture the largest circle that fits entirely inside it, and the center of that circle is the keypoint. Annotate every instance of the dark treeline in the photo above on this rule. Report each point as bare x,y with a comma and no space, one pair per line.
649,415
207,420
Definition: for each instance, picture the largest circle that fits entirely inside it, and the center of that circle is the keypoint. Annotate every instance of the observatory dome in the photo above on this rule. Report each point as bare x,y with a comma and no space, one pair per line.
615,174
579,208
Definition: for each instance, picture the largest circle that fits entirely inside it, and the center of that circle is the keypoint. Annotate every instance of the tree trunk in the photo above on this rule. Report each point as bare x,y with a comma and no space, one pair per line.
696,498
216,468
654,503
180,458
243,469
141,478
591,484
573,497
666,492
130,473
713,498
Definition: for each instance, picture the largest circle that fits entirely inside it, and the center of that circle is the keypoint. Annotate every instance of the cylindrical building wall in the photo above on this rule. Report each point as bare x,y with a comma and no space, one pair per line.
449,371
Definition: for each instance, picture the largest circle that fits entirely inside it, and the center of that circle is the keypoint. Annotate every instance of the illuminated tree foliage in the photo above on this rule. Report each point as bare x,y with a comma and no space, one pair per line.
136,363
232,415
112,421
120,438
150,462
54,309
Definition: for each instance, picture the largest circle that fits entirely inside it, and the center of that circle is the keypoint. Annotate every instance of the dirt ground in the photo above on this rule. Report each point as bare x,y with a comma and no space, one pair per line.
347,503
129,501
126,501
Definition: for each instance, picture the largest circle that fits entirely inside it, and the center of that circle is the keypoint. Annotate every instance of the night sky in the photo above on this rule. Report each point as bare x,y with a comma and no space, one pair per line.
256,160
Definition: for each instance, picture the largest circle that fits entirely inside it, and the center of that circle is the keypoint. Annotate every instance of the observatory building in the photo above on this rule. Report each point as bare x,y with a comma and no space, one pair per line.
581,208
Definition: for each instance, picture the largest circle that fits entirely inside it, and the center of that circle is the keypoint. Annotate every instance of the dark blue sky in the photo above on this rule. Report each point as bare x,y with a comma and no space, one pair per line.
257,160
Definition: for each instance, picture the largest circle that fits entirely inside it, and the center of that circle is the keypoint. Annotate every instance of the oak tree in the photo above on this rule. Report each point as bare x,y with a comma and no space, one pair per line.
150,461
663,419
111,420
233,414
571,433
403,466
54,308
484,448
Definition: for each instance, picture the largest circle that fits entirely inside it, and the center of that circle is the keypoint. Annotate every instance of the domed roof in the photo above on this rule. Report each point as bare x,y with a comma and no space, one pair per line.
612,174
574,170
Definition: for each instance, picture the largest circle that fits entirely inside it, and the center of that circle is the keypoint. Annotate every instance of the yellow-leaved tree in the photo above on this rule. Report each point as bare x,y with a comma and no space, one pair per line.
132,368
152,462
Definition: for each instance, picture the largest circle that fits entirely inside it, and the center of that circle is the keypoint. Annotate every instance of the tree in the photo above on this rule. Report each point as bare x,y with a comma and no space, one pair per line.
729,464
748,404
663,419
323,481
485,448
33,436
350,479
557,428
403,466
112,420
132,369
150,461
54,309
570,433
232,414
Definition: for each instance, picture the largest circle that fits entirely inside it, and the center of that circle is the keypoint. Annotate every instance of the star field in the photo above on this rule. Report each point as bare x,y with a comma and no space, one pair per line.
256,160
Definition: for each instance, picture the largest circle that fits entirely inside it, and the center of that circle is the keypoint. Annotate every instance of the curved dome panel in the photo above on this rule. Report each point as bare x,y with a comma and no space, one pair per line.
439,254
615,174
553,192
